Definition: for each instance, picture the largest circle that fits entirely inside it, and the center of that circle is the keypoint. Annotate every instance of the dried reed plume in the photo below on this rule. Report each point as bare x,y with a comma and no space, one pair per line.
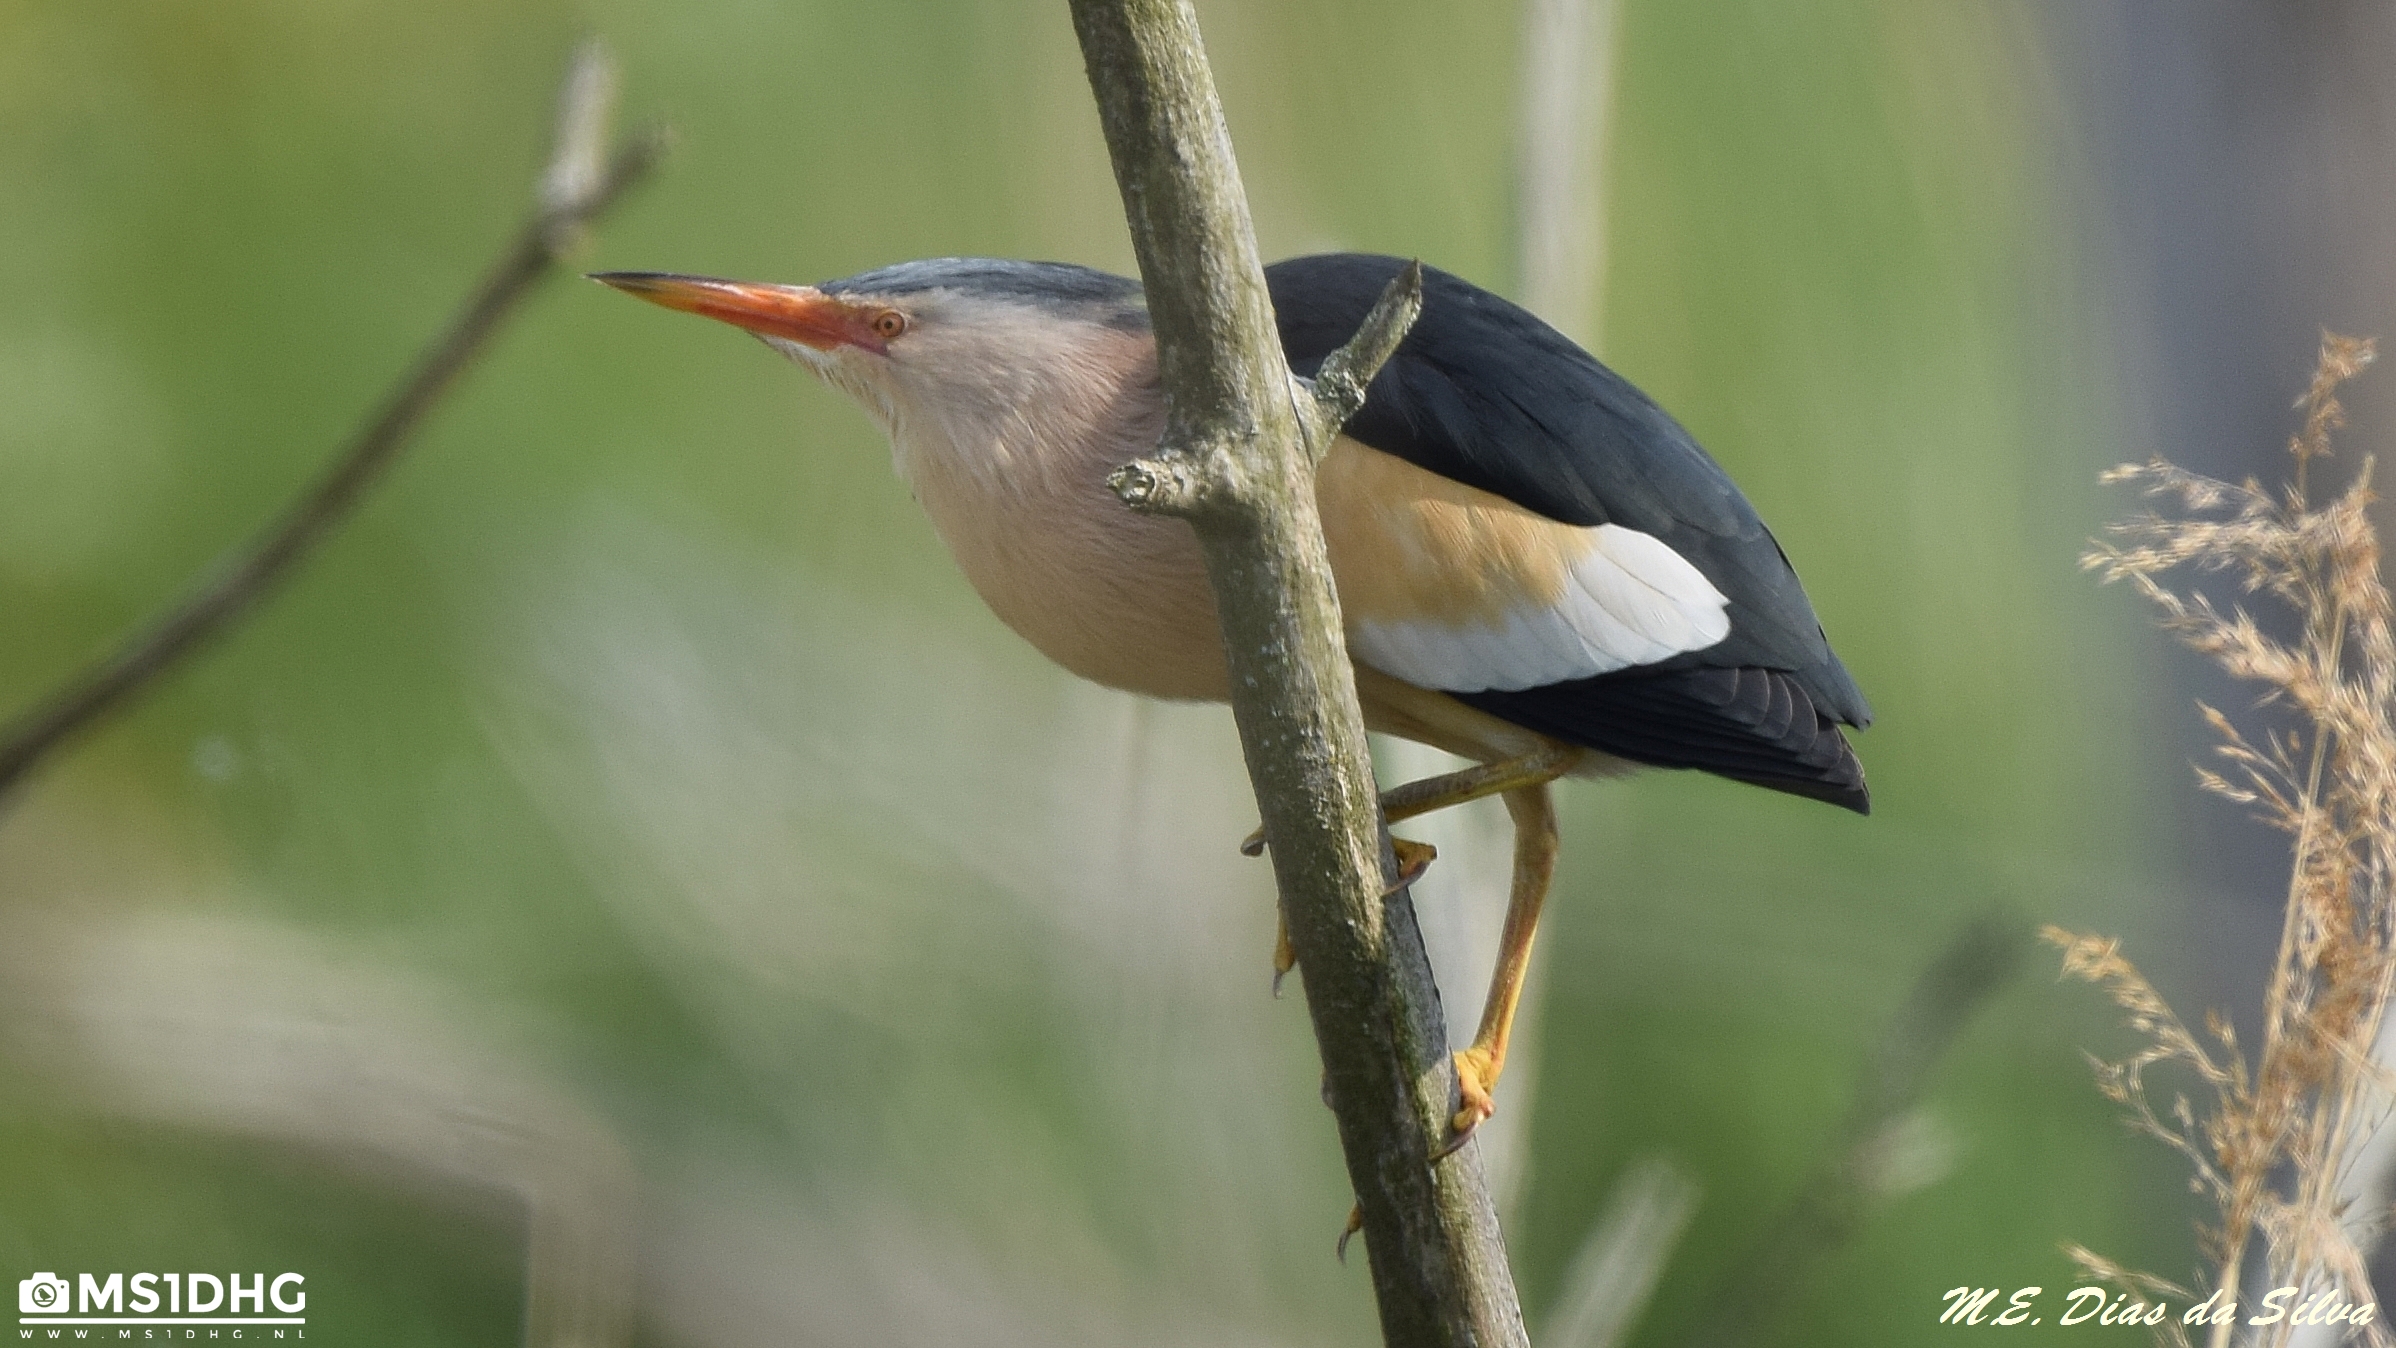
2273,1139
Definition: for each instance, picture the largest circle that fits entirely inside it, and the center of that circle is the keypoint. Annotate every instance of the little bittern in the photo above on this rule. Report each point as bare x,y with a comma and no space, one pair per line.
1538,567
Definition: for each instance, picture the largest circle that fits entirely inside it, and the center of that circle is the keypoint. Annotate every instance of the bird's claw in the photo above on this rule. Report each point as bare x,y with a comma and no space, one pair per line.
1355,1224
1476,1073
1413,859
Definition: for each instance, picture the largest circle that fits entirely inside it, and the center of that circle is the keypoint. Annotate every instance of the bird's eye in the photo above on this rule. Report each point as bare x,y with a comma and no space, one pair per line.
889,323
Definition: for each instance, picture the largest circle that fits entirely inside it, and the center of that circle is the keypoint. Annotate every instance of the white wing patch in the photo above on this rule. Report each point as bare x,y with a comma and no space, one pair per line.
1629,600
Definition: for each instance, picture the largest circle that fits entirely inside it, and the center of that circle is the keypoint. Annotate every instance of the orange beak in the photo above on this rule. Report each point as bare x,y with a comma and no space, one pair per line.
801,314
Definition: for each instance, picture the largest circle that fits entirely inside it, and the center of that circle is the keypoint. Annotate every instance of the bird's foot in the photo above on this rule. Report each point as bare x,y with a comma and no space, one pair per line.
1413,859
1355,1224
1476,1076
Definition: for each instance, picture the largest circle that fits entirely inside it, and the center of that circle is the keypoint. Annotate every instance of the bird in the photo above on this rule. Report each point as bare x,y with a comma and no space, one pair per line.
1539,570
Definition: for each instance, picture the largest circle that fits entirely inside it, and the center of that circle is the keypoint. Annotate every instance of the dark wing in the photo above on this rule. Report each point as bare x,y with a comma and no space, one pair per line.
1483,392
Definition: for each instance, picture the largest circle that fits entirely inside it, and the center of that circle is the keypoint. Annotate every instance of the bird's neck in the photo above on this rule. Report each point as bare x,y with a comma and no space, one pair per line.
1013,473
1031,424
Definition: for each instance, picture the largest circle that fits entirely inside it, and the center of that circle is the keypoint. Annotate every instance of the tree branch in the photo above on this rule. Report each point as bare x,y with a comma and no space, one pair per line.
579,184
1235,462
1179,483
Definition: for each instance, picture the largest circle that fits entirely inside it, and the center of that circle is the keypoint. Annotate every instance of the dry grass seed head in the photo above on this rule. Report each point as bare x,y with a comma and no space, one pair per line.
2271,1144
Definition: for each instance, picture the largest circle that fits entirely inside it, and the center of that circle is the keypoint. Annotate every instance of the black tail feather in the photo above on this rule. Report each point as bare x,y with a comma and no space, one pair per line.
1751,725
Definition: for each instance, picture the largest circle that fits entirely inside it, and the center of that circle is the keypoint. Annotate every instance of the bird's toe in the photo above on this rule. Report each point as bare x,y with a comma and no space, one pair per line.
1413,859
1355,1224
1476,1076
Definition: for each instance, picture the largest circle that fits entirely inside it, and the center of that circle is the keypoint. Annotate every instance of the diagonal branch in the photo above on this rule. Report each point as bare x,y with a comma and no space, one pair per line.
1235,463
1341,381
581,181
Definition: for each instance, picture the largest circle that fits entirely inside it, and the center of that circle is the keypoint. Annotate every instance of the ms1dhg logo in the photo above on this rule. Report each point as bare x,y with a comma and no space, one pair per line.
160,1304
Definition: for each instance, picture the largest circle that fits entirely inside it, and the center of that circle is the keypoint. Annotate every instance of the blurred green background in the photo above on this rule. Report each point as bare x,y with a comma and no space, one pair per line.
629,865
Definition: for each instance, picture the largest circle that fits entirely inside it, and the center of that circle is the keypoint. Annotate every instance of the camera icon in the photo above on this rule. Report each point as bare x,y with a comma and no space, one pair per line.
42,1294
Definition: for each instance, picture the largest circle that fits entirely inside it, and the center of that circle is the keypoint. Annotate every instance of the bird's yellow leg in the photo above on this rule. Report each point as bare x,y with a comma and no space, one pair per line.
1477,1067
1534,769
1487,779
1456,788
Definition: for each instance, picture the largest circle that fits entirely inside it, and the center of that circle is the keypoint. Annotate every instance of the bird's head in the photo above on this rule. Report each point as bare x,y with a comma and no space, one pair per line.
967,343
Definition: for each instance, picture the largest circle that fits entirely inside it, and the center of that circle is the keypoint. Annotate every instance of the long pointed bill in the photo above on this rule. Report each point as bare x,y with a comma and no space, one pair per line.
801,314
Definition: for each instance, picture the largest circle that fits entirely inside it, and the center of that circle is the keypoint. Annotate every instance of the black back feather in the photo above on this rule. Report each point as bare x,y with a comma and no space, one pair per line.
1483,392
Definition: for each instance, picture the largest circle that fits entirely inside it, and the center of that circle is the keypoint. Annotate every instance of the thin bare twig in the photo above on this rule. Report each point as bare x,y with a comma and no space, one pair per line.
580,182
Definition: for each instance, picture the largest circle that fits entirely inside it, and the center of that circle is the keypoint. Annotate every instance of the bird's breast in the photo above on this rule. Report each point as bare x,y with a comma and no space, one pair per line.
1116,597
